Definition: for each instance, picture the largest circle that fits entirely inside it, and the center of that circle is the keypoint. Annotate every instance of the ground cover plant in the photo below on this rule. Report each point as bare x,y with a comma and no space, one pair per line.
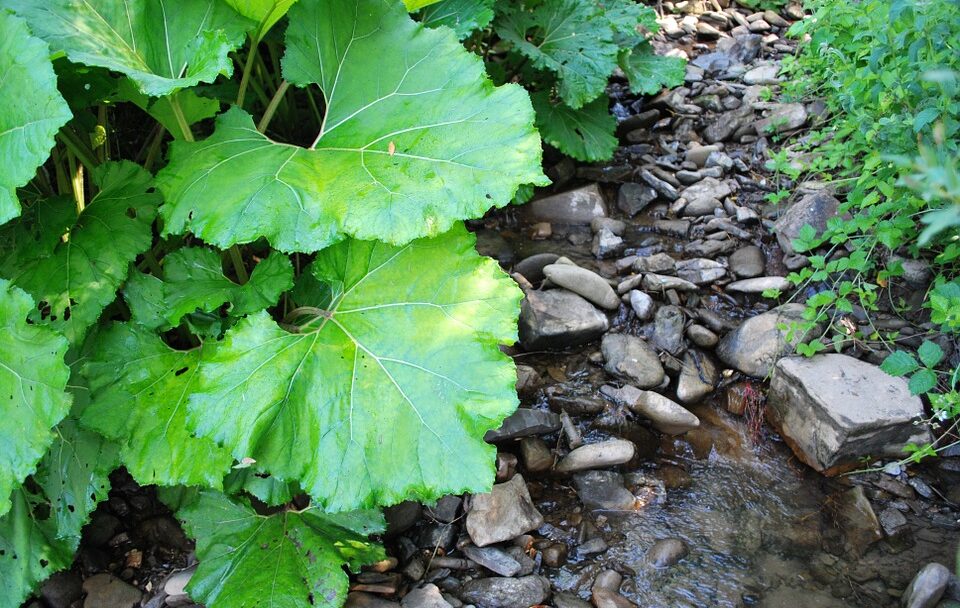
232,261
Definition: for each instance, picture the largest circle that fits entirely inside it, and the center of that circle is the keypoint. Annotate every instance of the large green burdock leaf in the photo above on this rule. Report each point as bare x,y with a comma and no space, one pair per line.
648,72
586,134
193,279
463,16
263,13
388,394
33,379
570,38
415,137
292,559
73,280
31,109
163,45
139,390
41,532
630,21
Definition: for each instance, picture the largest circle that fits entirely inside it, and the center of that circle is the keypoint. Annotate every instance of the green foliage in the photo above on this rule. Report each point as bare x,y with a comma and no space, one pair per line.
296,319
463,16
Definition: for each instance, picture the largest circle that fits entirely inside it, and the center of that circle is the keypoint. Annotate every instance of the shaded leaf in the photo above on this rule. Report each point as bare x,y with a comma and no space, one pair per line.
385,396
32,109
267,488
463,16
264,13
426,142
648,72
33,379
194,107
586,134
930,353
899,363
629,20
292,559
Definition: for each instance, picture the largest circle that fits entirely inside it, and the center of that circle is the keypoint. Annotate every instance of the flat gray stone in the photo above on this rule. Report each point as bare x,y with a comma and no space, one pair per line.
747,262
812,209
632,359
759,285
783,117
698,377
578,206
665,415
704,196
502,514
500,592
927,587
523,423
493,559
428,596
603,490
597,456
556,319
661,282
583,282
634,198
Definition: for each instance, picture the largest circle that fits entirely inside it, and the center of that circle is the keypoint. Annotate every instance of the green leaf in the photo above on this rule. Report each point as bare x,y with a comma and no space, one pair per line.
629,20
570,38
930,353
32,109
923,381
586,134
194,107
425,143
72,279
162,45
193,280
415,5
267,488
139,390
42,531
265,13
292,559
899,363
648,72
33,379
463,16
403,367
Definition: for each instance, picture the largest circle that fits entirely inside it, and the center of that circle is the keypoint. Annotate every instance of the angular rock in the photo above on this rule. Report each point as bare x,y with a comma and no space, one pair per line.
927,587
856,519
642,304
668,330
107,591
603,490
606,244
704,196
523,423
631,358
747,262
499,592
701,271
665,415
617,227
659,262
597,456
493,559
428,596
759,285
585,283
634,198
833,409
660,282
502,514
663,188
813,209
698,377
755,346
578,206
536,454
557,318
783,117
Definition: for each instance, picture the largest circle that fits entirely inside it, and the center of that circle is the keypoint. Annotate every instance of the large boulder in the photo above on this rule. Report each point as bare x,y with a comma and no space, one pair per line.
813,209
754,347
833,410
578,206
557,318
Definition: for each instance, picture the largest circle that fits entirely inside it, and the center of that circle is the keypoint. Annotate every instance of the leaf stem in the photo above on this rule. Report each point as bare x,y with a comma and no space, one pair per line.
181,119
247,70
75,145
76,181
272,107
237,259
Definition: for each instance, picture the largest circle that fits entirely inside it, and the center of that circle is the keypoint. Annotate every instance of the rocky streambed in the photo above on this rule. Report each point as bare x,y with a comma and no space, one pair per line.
653,463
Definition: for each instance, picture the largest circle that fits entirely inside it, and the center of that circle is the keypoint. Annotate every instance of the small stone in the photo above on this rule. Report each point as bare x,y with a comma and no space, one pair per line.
555,555
493,559
597,455
707,31
892,521
428,596
747,262
698,377
759,27
536,454
569,600
756,345
603,598
402,516
176,587
759,285
856,518
578,206
783,117
107,591
701,336
704,196
666,552
606,244
632,359
699,154
813,209
774,19
446,509
361,599
927,587
585,283
523,423
701,271
642,304
763,74
500,592
665,415
557,318
668,331
663,188
659,263
592,546
634,198
603,490
617,227
506,466
502,514
660,283
532,267
62,589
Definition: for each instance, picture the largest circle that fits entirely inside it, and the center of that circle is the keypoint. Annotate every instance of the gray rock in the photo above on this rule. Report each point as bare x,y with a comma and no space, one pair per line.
701,336
604,598
698,155
634,198
402,516
62,589
597,456
759,285
617,227
668,330
666,552
592,546
813,209
523,423
176,587
428,596
704,196
916,273
578,206
502,514
661,263
359,599
927,587
557,318
631,358
665,415
855,517
493,559
583,282
107,591
833,409
642,304
499,592
606,244
536,454
698,377
663,188
729,53
446,509
747,262
532,267
701,271
892,521
719,160
569,600
603,490
763,74
755,346
783,117
725,125
659,282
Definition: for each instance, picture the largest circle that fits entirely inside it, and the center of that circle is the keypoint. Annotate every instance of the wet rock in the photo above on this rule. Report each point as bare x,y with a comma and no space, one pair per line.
402,516
437,535
502,514
665,415
704,196
493,559
701,336
660,282
446,509
603,490
662,187
763,74
642,304
698,377
701,271
499,592
506,466
856,518
523,423
661,263
536,454
606,244
593,546
617,227
833,409
62,589
668,330
632,359
892,521
678,228
532,267
557,318
107,591
927,587
725,125
578,206
585,283
758,343
759,285
747,262
528,379
666,552
729,53
569,600
428,596
597,455
603,598
176,587
634,198
813,209
783,117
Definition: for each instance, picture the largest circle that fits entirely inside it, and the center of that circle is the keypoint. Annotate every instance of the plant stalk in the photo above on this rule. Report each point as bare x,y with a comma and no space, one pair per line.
247,70
272,107
181,119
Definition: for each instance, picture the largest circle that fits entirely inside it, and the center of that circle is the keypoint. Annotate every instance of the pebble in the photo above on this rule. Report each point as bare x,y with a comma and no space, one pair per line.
603,490
578,206
428,596
927,587
585,283
747,262
492,559
504,513
668,330
632,359
642,304
106,591
659,283
698,378
701,336
759,285
597,455
665,415
532,267
557,318
536,455
666,552
500,592
523,423
657,263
